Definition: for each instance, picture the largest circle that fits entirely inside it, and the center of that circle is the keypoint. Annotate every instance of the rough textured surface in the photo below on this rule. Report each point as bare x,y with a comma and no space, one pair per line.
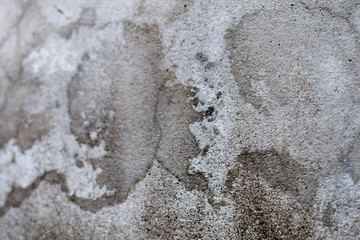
179,119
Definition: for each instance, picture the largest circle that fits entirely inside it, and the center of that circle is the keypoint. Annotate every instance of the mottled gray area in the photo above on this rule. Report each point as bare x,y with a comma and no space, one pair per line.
111,111
183,119
177,144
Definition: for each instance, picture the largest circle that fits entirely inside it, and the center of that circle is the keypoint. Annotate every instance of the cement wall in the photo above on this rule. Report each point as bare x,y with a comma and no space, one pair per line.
179,119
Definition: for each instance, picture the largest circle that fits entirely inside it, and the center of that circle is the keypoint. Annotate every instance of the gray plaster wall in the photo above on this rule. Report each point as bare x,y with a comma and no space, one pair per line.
179,119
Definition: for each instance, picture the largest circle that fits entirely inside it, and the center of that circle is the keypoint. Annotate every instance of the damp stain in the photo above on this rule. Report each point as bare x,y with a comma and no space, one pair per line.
241,65
16,119
124,116
264,67
164,218
260,211
282,173
150,120
177,145
17,195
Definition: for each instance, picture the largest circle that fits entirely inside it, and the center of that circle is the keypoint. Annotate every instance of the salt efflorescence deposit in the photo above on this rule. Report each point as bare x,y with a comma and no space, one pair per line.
179,119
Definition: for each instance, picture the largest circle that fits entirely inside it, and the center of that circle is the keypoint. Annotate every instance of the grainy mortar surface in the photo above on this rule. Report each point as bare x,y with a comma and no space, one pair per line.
180,119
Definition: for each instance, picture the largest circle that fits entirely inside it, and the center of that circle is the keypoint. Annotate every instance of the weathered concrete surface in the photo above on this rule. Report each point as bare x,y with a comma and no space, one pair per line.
179,119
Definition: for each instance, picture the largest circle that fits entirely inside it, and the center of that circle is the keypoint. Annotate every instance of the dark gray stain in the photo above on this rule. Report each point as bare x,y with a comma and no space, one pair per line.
88,17
241,63
204,60
261,214
150,120
125,111
340,9
82,91
271,60
162,218
279,50
352,159
178,144
327,218
79,163
18,194
16,122
282,173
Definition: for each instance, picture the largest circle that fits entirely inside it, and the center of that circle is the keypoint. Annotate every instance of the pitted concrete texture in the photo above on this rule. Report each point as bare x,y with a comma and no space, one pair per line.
179,119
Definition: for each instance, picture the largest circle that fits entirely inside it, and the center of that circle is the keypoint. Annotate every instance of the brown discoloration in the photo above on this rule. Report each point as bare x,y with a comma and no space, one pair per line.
276,63
30,129
79,163
284,67
180,8
18,194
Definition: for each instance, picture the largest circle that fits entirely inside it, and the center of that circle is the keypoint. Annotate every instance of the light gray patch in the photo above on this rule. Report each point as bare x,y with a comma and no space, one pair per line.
241,65
178,144
133,134
179,9
29,31
87,19
90,104
341,8
286,58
